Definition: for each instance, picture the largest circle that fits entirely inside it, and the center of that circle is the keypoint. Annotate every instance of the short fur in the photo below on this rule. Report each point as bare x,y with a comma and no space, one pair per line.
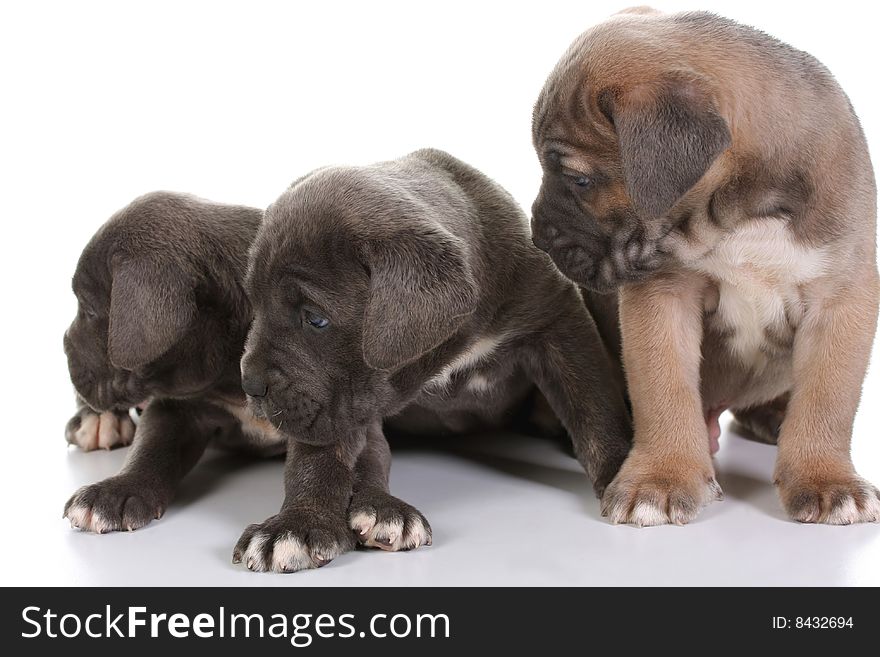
161,324
442,317
721,181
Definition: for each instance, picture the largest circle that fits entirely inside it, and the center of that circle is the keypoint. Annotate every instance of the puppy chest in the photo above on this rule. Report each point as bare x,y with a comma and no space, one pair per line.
481,379
477,389
472,371
755,301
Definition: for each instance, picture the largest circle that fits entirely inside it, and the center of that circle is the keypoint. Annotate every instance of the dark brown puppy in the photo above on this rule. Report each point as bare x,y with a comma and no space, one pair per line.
161,323
408,291
721,179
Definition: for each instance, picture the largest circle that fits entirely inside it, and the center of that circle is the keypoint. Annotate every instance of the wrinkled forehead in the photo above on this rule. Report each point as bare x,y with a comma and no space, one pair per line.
585,145
557,109
576,103
313,252
323,222
572,116
326,285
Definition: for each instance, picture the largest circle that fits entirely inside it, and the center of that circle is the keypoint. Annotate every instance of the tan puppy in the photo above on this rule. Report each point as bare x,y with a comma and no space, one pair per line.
719,179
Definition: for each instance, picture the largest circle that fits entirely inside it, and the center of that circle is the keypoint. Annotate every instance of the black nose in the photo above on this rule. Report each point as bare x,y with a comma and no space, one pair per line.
255,386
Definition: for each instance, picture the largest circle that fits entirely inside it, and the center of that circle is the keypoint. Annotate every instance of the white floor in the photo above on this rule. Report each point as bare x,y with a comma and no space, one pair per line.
505,510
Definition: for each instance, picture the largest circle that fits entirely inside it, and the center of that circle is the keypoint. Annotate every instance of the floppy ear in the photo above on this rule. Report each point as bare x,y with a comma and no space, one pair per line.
151,305
669,136
421,290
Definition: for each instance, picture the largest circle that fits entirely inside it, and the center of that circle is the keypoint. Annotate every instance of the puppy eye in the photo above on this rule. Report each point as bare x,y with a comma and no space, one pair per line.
314,320
584,182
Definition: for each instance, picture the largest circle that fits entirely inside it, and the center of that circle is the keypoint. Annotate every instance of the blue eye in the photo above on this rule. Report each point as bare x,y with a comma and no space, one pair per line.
316,321
583,181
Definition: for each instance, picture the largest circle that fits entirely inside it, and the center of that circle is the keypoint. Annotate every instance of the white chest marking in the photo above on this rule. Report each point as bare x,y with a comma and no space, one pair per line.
261,431
758,269
481,349
479,383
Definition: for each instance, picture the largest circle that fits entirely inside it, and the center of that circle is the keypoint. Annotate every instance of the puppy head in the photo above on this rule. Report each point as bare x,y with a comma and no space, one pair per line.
622,139
149,321
349,282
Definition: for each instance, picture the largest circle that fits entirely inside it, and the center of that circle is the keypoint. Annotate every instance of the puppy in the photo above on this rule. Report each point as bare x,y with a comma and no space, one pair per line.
720,180
407,291
161,324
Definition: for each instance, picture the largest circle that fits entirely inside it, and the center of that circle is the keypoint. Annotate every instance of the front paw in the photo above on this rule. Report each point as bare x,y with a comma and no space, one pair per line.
381,520
293,540
118,503
833,500
90,430
648,492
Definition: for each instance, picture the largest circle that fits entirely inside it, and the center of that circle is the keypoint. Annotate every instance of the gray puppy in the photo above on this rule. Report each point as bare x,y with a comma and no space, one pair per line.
407,291
161,324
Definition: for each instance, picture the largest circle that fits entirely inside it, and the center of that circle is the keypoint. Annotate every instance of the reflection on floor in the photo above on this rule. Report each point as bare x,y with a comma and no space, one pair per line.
505,510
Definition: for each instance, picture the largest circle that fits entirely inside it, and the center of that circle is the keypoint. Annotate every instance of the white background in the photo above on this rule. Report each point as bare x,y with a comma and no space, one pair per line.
100,102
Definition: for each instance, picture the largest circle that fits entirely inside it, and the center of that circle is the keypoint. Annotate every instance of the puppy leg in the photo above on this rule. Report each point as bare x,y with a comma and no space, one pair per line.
171,438
763,423
814,471
668,477
378,518
90,430
311,529
575,374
